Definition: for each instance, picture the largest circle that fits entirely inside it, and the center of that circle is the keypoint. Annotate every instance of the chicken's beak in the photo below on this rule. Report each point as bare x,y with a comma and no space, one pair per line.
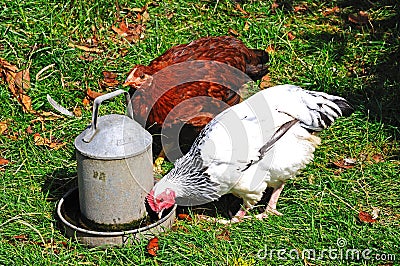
127,83
160,214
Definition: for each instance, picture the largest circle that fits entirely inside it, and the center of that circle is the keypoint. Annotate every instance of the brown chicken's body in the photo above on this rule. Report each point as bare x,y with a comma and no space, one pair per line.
183,89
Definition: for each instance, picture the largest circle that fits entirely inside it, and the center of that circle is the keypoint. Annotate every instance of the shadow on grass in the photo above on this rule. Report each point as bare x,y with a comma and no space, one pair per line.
380,92
59,182
227,206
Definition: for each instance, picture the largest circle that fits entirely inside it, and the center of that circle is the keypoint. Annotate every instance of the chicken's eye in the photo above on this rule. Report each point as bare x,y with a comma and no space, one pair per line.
142,76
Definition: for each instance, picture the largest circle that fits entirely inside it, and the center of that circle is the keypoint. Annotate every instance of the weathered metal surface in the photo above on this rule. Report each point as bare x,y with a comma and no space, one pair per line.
114,167
68,211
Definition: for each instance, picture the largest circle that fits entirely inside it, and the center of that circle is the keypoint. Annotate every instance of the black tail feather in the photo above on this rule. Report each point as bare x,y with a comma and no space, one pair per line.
346,108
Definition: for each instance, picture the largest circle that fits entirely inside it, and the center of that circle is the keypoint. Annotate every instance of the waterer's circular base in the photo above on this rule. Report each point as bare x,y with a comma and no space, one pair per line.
69,212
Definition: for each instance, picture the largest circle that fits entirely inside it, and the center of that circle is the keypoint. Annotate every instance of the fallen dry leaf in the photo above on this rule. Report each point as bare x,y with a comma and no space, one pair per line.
23,80
46,116
378,158
239,8
291,36
92,94
224,235
21,237
366,217
29,130
77,111
3,161
330,11
130,32
41,141
17,81
86,101
270,49
109,79
300,8
184,216
274,6
233,32
152,246
360,18
246,26
87,57
143,18
345,163
3,127
266,82
176,227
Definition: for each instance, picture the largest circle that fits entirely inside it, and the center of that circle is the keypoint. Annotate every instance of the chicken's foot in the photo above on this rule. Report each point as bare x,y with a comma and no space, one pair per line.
271,208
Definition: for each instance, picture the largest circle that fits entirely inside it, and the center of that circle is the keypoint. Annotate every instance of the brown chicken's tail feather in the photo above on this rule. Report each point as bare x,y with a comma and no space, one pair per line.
257,67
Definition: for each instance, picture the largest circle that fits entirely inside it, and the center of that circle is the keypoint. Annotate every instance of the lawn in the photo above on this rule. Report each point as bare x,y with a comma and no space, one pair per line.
347,48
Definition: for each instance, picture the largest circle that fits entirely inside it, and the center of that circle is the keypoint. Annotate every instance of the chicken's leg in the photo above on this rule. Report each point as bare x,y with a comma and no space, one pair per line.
274,200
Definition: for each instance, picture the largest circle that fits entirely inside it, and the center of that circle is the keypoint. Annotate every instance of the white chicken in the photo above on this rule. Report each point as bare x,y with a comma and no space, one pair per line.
259,143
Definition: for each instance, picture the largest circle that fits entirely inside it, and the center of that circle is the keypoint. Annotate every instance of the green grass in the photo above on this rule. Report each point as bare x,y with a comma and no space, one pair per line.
329,53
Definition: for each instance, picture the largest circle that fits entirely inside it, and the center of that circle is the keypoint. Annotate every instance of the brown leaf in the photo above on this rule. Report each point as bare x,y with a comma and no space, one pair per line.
3,127
109,79
29,130
239,8
22,79
131,32
21,237
41,141
77,111
152,246
233,32
224,235
184,216
87,57
345,163
143,18
300,8
360,18
378,158
274,6
46,116
17,82
3,161
266,82
86,101
92,94
270,49
291,36
366,217
122,30
246,26
329,11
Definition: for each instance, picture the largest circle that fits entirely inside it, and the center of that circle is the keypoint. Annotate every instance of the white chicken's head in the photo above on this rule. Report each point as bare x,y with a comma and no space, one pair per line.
159,200
137,77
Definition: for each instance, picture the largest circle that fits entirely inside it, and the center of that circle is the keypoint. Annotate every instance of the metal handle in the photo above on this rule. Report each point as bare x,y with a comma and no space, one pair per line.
92,129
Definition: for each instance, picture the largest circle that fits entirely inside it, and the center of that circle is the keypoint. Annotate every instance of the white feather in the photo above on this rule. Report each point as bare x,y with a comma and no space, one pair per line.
228,149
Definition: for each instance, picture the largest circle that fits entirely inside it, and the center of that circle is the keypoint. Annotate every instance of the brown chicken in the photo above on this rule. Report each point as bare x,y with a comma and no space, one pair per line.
179,92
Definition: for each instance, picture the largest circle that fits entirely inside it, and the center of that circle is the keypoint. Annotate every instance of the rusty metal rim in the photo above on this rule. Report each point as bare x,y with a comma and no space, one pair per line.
98,233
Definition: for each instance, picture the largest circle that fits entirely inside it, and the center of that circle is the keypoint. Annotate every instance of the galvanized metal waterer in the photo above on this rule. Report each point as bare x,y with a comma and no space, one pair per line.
114,167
